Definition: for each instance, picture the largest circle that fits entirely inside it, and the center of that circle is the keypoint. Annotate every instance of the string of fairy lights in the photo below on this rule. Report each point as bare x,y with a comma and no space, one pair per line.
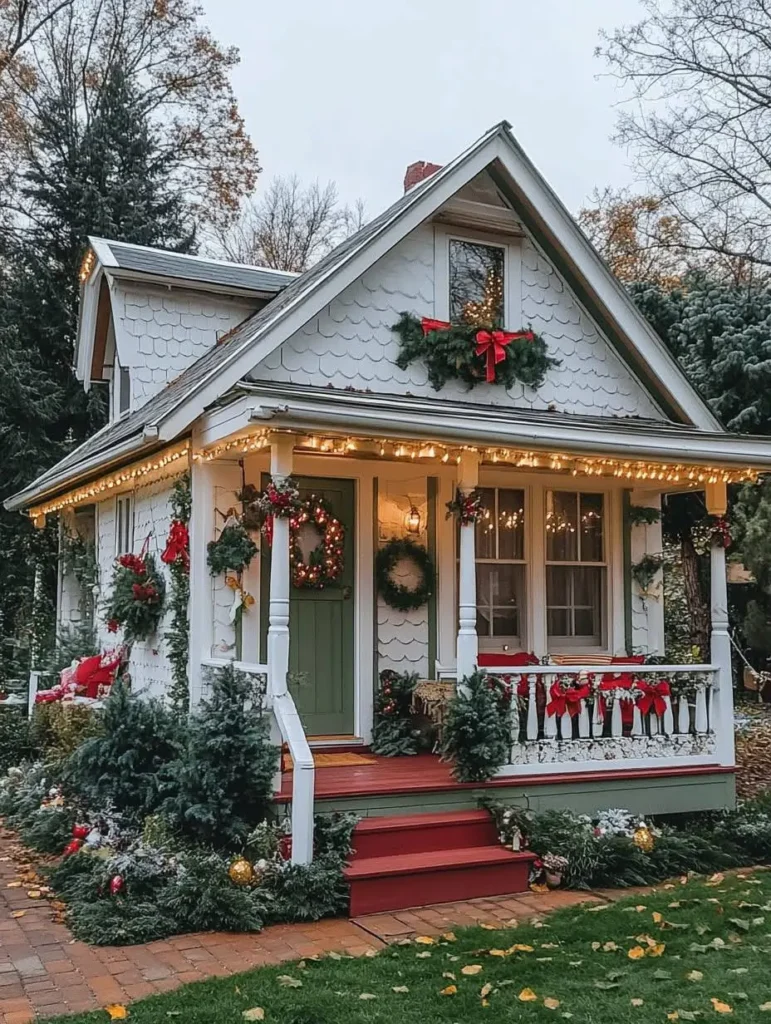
175,459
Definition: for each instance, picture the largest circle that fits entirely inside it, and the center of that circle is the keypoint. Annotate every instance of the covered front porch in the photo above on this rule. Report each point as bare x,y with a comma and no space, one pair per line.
549,572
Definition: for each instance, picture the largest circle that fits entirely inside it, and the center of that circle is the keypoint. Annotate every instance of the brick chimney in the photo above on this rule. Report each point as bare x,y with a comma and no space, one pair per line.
418,171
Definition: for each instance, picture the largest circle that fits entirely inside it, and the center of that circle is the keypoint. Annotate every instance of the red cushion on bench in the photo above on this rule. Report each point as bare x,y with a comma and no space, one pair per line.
492,658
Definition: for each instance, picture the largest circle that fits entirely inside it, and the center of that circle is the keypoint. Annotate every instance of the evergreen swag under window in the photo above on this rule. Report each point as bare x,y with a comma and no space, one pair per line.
177,557
138,592
470,354
396,595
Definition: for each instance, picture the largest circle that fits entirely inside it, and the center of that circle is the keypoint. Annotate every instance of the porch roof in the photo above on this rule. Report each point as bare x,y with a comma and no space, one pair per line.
328,412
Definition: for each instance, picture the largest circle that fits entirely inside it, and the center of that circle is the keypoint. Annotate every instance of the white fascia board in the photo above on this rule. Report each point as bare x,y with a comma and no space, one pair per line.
84,339
291,318
709,449
608,289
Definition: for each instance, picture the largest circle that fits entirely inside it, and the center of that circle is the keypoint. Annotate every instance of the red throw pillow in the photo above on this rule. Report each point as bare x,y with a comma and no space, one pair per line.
519,659
86,669
628,659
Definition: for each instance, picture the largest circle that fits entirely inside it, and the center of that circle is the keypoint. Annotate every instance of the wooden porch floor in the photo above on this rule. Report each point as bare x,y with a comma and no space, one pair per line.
425,773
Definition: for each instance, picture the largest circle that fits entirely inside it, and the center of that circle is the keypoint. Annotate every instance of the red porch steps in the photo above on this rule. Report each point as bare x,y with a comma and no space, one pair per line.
419,859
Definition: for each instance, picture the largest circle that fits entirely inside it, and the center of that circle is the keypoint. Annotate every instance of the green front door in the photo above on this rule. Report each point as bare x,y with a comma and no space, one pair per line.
321,625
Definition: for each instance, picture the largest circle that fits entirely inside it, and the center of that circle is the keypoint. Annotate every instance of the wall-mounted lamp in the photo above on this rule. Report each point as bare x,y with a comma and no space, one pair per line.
412,520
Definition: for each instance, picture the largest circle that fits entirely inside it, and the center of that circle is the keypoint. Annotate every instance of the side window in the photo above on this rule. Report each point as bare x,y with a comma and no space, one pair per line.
124,524
124,390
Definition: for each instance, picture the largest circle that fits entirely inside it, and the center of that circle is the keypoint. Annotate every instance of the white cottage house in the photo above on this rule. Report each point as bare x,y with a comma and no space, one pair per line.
237,374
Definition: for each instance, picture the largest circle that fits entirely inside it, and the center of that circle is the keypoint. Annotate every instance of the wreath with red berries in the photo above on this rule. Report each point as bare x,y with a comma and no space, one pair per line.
138,596
325,564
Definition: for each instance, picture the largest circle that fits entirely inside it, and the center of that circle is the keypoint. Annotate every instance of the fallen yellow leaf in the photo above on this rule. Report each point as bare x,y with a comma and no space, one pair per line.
13,885
719,1006
636,953
471,969
497,952
449,991
34,894
657,917
674,1015
367,995
116,1011
527,996
610,947
399,988
657,949
485,991
425,940
448,936
520,948
640,907
18,913
488,927
695,976
448,974
637,1002
256,1013
765,1007
550,1003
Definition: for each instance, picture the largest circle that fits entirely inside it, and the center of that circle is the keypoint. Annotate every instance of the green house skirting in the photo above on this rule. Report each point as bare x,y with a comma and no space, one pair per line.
673,795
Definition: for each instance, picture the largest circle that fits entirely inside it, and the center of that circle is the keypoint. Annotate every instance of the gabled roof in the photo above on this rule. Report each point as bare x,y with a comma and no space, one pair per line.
194,270
172,411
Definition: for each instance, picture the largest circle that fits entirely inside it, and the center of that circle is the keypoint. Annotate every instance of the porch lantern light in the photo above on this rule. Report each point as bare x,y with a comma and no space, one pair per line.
412,520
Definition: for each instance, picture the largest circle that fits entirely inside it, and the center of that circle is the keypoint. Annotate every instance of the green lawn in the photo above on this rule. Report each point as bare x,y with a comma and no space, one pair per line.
707,956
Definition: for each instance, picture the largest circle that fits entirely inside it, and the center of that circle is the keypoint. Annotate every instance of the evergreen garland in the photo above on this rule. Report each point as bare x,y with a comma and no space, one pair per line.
233,549
643,515
178,635
393,732
450,353
644,571
477,734
396,595
137,600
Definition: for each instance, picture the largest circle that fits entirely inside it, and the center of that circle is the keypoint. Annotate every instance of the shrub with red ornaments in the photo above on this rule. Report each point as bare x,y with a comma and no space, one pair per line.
137,597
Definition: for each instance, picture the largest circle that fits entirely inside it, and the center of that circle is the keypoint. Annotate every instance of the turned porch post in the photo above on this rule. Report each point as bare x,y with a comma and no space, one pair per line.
722,715
281,457
467,645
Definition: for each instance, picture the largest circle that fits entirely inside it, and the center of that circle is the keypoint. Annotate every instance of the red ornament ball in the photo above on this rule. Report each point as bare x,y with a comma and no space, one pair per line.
116,884
80,831
72,847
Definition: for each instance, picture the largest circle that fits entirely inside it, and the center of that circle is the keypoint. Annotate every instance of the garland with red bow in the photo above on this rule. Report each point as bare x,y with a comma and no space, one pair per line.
652,696
470,354
566,698
721,532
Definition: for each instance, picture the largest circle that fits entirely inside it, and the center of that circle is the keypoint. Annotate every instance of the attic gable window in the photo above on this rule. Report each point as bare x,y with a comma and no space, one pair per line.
476,283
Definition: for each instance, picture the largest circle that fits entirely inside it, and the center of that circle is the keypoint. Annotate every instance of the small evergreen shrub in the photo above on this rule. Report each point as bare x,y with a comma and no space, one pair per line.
477,734
16,744
57,730
125,766
394,733
221,785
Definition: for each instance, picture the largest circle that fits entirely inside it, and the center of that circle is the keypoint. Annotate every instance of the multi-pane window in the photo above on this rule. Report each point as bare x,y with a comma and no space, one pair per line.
476,280
575,569
500,567
124,525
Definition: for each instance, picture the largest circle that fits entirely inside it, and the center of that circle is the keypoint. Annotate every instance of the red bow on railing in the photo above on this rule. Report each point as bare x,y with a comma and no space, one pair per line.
652,697
618,681
566,699
178,545
492,344
429,325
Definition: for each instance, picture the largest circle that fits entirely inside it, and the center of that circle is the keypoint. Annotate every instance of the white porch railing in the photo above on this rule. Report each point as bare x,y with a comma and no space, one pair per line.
584,717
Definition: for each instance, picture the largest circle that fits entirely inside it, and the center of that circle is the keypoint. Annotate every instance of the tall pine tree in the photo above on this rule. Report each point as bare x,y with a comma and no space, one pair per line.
106,178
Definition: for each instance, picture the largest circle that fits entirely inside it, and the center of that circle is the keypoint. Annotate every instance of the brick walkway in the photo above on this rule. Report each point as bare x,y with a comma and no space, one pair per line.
44,971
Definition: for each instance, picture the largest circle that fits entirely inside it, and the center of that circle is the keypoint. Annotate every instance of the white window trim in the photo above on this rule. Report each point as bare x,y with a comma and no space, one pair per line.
512,259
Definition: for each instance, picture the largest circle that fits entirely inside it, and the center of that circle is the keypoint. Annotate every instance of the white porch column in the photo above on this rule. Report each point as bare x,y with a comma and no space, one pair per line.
202,476
281,459
720,643
467,646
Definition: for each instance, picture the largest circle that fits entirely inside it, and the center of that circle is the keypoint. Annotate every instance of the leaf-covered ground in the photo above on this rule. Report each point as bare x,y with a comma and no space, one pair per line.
693,950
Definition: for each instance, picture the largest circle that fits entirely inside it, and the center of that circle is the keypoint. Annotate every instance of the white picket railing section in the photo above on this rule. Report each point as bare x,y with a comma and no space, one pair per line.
607,729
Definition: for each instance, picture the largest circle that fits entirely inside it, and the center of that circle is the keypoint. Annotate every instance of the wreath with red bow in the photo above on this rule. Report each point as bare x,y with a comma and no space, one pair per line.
470,354
138,595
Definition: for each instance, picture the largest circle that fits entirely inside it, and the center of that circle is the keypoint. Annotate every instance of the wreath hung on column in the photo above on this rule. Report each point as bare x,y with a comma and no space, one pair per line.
396,595
326,562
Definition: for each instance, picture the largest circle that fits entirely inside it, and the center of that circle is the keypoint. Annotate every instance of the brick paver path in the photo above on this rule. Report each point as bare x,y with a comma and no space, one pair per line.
44,971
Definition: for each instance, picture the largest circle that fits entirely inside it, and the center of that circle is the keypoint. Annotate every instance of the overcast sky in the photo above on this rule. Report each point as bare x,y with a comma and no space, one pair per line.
354,90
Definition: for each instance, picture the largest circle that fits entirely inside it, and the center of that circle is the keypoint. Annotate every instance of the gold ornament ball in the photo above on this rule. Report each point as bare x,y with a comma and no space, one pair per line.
241,872
643,839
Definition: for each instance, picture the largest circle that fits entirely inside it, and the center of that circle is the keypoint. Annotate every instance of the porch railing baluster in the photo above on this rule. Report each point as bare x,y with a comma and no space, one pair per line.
683,715
616,721
584,730
637,722
532,708
668,721
701,723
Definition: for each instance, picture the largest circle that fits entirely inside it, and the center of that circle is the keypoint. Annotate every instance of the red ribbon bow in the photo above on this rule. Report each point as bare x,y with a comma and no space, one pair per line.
429,325
652,697
492,345
566,699
177,545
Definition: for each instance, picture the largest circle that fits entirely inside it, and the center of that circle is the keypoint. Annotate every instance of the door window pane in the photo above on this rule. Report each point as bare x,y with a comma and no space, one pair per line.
476,284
